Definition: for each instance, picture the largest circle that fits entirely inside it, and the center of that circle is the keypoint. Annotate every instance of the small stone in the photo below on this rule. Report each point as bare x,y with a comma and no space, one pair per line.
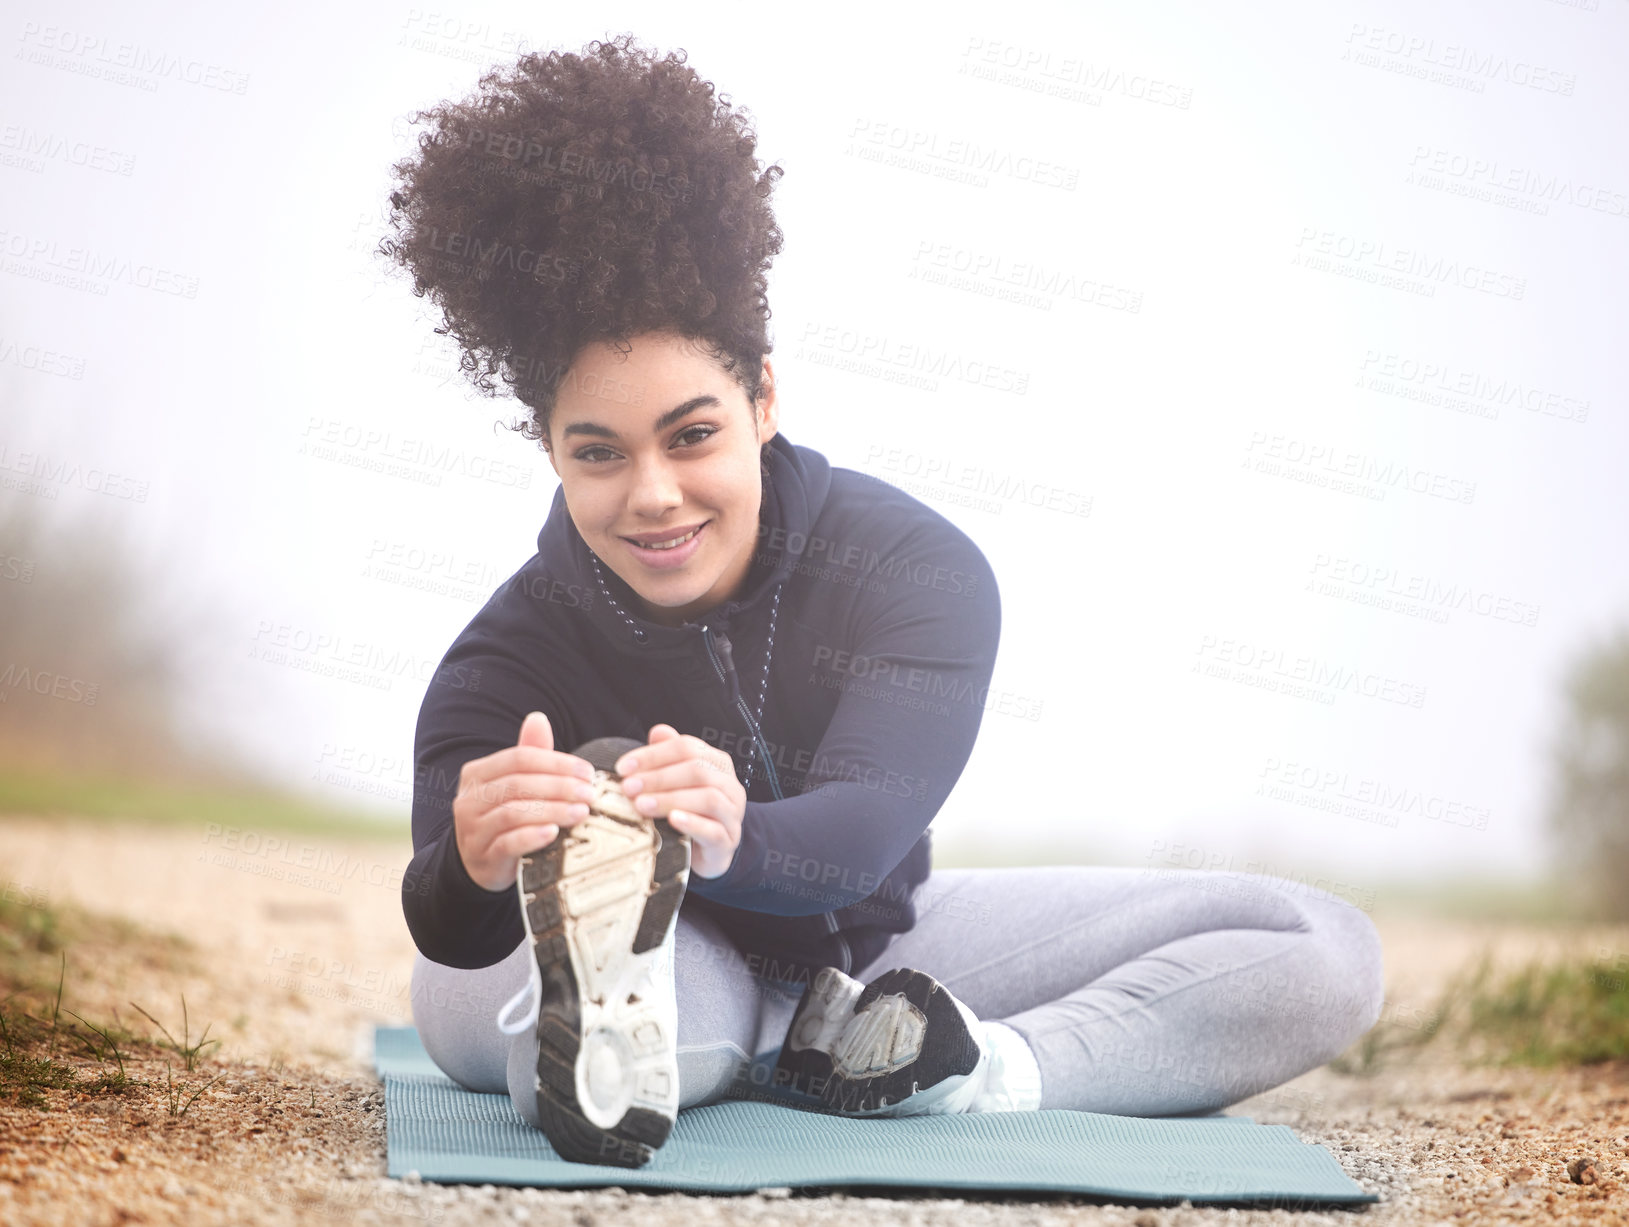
775,1190
1581,1171
413,1177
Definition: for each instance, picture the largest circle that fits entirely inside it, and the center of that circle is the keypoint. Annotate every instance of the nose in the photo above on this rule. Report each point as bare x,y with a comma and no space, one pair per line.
655,490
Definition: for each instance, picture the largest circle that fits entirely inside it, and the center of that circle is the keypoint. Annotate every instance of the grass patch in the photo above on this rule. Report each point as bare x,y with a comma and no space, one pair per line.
45,1046
31,791
35,1050
1542,1014
188,1051
1574,1013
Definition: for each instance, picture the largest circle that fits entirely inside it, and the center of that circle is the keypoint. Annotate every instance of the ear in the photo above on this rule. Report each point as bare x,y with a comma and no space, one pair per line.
767,412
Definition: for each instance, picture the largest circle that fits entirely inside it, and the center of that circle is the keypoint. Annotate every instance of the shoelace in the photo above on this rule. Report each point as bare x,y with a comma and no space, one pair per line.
534,986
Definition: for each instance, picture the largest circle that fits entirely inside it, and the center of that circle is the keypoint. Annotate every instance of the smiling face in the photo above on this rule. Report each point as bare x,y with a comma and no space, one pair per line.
650,445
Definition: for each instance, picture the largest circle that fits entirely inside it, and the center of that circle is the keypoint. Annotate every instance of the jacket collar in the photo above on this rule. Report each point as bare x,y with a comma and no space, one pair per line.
795,491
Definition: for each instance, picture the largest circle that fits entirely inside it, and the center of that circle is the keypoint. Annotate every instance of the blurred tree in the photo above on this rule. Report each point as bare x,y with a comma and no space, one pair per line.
1590,810
91,667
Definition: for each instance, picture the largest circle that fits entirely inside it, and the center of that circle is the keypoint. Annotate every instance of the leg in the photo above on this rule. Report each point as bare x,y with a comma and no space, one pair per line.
456,1012
1150,995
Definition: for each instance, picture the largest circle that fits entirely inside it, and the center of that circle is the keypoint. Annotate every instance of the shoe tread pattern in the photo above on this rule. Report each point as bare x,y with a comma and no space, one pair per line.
671,875
552,876
948,1047
805,1070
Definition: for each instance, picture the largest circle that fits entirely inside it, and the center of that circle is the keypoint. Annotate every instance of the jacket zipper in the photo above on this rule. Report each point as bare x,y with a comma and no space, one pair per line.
729,678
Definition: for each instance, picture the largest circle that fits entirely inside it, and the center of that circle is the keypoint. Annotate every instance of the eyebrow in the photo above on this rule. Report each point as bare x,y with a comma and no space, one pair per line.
705,401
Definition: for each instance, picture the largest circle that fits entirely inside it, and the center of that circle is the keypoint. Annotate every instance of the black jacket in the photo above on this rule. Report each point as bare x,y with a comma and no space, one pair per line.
885,635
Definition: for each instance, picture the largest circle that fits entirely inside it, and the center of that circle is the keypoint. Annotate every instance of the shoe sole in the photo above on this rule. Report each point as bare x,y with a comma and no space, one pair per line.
599,903
904,1035
826,1007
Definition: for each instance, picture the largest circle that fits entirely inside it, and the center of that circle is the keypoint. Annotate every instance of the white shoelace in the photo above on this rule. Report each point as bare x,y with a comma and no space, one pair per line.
534,987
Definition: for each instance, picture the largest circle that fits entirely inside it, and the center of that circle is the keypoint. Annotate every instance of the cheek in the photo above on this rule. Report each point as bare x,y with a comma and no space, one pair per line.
590,512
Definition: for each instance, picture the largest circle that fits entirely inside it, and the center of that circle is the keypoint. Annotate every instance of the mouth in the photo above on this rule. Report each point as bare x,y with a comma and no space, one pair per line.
668,548
670,539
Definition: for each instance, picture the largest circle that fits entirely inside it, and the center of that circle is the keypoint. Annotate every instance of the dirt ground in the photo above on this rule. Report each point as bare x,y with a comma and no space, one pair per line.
294,947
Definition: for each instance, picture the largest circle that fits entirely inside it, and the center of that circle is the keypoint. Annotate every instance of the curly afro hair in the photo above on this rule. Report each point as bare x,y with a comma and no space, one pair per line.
581,198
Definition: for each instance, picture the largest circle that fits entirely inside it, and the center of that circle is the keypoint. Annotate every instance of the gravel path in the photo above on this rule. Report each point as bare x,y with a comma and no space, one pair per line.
296,947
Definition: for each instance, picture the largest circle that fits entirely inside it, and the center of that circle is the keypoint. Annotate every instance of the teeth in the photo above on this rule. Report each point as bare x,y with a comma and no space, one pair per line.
677,541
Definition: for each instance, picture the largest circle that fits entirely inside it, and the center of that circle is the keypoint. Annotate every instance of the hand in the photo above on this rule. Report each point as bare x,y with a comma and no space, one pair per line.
514,801
677,769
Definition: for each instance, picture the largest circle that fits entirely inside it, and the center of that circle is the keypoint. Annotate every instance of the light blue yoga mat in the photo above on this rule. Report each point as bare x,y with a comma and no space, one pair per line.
447,1134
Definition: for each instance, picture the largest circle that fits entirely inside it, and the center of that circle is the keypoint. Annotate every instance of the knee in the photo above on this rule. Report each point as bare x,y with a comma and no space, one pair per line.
431,997
1372,958
1354,965
455,1012
709,1073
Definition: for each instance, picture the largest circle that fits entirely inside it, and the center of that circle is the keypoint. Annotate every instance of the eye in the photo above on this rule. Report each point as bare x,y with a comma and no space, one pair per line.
592,454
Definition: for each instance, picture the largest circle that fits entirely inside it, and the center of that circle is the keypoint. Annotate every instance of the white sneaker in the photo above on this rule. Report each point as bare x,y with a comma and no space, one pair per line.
903,1046
600,905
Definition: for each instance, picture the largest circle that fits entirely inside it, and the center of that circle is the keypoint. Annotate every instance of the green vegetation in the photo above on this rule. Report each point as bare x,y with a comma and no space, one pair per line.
189,1052
1545,1014
117,798
43,1046
1574,1013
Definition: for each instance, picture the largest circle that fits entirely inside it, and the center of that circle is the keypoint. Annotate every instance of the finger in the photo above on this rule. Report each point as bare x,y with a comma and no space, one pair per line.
522,812
514,759
667,745
532,786
689,772
701,829
679,748
535,730
650,755
522,840
706,802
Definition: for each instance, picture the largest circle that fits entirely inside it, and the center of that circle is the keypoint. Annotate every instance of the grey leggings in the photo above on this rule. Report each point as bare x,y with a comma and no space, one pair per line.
1142,993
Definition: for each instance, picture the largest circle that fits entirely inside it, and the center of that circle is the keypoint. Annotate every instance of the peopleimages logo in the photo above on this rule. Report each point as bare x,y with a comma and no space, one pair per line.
1375,800
815,549
1441,382
1388,587
1408,268
885,679
1417,51
1299,675
978,480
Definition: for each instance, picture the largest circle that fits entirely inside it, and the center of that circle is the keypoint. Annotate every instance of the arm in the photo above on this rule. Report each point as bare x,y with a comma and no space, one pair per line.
896,745
473,707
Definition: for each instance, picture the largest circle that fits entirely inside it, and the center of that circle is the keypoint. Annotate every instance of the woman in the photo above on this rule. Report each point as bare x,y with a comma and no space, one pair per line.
770,672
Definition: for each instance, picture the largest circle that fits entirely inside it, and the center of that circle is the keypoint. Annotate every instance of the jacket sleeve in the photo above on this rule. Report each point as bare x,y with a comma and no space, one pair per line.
474,706
916,671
